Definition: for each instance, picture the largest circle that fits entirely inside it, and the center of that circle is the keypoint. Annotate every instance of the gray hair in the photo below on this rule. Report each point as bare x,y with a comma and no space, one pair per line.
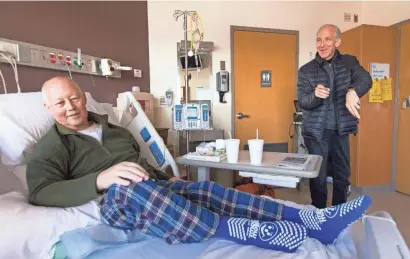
338,33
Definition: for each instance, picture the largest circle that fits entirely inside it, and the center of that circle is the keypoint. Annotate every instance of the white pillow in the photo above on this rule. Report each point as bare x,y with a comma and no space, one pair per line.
24,120
102,108
29,231
28,121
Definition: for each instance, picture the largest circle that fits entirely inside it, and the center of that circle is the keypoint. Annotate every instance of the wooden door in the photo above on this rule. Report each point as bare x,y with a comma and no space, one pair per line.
370,166
403,131
352,41
270,108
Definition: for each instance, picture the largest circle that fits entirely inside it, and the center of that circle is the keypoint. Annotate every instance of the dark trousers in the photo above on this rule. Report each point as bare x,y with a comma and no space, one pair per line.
336,156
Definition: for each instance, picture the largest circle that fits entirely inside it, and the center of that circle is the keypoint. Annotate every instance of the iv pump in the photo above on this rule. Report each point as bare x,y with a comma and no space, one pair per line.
222,82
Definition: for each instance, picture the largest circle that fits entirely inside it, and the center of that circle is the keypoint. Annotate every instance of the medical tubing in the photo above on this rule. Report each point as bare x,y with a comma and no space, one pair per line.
4,82
9,57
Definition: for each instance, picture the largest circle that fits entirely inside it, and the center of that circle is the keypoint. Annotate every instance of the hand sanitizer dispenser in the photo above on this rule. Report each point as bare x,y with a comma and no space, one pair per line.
222,82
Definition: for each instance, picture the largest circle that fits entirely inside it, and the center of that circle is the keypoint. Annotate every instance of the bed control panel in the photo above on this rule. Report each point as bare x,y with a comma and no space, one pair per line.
157,153
145,135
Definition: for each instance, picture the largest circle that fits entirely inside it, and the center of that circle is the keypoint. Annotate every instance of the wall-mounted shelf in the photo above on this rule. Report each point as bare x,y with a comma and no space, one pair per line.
28,54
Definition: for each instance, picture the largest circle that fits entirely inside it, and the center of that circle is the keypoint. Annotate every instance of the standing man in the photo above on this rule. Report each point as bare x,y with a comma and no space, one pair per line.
329,90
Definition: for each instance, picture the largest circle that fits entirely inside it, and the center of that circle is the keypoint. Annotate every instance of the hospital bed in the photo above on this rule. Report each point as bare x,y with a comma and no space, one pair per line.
37,232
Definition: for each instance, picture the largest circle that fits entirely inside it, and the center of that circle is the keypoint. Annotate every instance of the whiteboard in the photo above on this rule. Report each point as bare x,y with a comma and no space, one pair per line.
379,70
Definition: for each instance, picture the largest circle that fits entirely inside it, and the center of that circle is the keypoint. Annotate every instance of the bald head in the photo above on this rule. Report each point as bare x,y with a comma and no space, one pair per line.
66,102
55,85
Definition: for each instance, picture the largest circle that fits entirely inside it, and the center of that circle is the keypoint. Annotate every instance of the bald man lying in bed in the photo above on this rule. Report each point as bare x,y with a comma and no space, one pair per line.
83,158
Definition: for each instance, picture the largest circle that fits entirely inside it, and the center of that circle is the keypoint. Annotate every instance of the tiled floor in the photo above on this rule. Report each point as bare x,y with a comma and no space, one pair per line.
396,204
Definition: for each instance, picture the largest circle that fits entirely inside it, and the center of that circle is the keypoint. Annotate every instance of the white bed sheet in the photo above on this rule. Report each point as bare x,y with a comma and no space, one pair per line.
30,232
344,248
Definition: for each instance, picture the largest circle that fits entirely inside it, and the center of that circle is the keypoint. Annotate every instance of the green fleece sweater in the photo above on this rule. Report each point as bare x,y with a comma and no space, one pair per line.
64,166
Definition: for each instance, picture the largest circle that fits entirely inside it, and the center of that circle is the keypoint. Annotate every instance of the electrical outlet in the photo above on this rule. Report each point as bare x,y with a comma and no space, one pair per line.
94,66
162,101
348,17
137,73
87,65
9,48
35,56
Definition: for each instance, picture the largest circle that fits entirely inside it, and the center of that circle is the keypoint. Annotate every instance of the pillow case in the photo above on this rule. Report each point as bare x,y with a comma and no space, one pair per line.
29,231
102,108
21,126
28,121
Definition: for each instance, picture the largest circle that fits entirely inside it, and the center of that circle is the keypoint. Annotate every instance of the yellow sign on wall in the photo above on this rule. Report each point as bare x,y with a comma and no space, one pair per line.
386,89
375,93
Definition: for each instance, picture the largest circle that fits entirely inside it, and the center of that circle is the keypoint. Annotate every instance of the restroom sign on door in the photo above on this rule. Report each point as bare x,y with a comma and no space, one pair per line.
266,78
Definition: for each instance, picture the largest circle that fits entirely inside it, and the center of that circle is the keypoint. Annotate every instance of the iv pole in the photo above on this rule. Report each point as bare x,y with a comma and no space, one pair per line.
177,14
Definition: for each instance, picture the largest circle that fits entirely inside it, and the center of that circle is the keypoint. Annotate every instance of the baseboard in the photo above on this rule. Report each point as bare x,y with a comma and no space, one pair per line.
373,188
359,190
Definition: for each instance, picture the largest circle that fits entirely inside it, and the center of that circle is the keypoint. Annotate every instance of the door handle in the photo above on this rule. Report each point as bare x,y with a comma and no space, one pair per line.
241,116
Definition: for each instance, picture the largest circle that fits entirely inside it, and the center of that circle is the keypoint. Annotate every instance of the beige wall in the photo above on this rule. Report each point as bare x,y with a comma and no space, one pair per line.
385,12
305,17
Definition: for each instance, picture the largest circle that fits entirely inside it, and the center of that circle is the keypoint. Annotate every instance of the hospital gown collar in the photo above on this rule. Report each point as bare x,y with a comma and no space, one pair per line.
97,118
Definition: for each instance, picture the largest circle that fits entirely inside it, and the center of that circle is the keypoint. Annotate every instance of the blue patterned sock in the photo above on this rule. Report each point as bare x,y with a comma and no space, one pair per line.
325,225
282,236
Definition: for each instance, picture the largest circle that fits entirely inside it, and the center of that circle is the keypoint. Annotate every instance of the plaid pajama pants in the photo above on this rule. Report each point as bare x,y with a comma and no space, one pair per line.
181,212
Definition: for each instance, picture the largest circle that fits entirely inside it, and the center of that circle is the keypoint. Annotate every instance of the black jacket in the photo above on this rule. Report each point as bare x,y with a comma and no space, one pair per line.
348,74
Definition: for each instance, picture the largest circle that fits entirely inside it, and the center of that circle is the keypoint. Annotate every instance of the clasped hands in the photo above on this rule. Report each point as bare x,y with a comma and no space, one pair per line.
123,173
352,100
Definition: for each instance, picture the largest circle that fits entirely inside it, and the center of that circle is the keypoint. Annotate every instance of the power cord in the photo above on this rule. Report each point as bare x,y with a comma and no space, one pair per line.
296,135
92,79
204,135
291,136
16,76
4,82
12,60
197,19
301,145
69,70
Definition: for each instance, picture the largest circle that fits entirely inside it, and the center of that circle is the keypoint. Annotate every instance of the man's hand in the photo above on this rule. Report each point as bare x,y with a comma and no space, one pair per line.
353,103
322,92
123,173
